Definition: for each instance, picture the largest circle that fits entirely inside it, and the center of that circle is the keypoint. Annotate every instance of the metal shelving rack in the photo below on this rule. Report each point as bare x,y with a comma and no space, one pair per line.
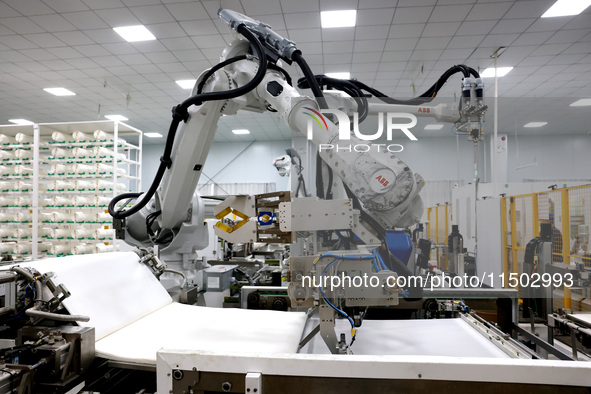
74,170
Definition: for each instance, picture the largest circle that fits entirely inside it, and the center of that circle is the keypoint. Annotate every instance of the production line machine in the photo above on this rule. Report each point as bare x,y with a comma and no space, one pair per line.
105,323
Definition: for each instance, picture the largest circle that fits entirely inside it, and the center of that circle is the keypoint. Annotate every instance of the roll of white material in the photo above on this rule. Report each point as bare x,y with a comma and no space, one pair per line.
102,136
61,169
60,153
60,186
46,202
60,201
7,247
24,202
107,169
84,169
24,233
58,233
23,217
83,217
4,170
6,186
101,201
59,249
102,248
82,153
6,139
23,138
6,155
24,248
103,185
82,201
103,234
7,202
44,247
58,137
82,249
6,233
79,136
23,154
23,186
84,185
103,217
81,233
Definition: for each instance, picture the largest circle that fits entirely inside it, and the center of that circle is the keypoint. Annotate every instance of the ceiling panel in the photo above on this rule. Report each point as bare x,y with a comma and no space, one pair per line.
401,47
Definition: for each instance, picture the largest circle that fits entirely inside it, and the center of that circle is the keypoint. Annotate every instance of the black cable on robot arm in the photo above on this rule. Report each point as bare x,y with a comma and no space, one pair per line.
180,113
212,70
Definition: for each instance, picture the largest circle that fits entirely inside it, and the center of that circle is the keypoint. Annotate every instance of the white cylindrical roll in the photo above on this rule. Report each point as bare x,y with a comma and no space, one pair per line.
7,247
82,153
83,249
6,155
82,201
24,248
84,185
59,249
44,247
23,138
101,201
23,217
22,170
23,186
59,233
103,233
60,153
102,248
6,233
84,169
6,217
23,154
60,186
24,201
24,233
6,186
82,217
61,201
46,202
63,217
80,136
103,217
60,169
6,139
81,233
6,202
58,137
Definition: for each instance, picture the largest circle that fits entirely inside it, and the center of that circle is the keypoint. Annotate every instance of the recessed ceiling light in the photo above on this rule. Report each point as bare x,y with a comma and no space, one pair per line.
22,122
343,75
186,83
116,117
566,8
240,131
490,72
343,18
581,103
153,135
434,127
60,91
134,33
535,124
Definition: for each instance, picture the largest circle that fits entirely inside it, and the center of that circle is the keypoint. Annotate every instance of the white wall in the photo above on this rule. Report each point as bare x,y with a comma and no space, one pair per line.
228,162
436,159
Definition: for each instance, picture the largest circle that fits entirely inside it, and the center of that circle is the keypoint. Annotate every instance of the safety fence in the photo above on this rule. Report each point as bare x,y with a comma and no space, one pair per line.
568,211
439,220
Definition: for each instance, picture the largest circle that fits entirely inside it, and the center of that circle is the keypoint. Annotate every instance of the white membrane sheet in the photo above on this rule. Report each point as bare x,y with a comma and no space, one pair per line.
113,289
582,317
179,326
434,337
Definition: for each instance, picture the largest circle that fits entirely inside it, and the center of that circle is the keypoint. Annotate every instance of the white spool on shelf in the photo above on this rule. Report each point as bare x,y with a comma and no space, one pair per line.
24,233
6,186
60,186
101,201
82,217
104,137
102,234
44,247
6,140
61,169
46,202
23,217
102,168
84,185
79,136
23,138
59,153
84,169
58,137
81,233
59,249
22,170
23,186
23,154
6,202
61,201
24,201
82,153
83,249
24,248
6,233
6,155
7,247
103,217
82,201
102,248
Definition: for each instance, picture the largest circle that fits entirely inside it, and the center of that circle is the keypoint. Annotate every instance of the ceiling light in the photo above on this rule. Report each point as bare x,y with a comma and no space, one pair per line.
535,124
434,127
134,33
566,8
240,131
344,18
490,72
153,135
581,103
22,122
116,117
343,75
60,91
186,83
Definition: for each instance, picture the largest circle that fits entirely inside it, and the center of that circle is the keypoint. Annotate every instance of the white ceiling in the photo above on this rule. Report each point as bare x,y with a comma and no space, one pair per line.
400,47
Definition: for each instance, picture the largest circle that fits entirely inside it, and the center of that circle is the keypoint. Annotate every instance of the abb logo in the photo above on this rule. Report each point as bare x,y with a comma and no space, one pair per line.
425,110
382,181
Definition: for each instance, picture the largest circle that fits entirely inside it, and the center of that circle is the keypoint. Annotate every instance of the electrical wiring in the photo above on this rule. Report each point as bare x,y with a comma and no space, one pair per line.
180,113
